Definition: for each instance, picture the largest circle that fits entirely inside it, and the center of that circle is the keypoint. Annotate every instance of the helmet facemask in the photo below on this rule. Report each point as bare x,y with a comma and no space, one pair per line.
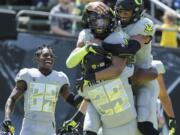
128,11
101,25
125,16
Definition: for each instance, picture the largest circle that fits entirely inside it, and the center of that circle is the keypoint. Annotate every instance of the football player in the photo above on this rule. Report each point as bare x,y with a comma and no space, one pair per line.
41,88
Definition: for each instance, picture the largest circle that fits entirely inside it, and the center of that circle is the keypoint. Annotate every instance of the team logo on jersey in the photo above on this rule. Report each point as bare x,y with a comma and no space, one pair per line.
138,2
148,28
125,41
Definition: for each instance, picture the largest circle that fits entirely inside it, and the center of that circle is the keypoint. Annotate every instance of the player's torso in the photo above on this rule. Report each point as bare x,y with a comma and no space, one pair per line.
142,27
41,95
113,99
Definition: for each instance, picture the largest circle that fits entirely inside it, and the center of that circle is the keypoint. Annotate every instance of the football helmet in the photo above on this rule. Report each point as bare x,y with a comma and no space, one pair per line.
135,6
100,25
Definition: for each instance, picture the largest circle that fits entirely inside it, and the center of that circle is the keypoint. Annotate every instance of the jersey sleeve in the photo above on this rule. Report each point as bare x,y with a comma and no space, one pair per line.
22,75
63,79
159,66
143,27
84,36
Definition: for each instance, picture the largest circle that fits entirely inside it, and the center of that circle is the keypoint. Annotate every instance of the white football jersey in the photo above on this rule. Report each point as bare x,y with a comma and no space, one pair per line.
85,36
117,37
113,99
42,92
143,27
159,66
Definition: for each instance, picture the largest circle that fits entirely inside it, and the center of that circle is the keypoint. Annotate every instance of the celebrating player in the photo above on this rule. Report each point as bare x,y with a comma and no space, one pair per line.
41,87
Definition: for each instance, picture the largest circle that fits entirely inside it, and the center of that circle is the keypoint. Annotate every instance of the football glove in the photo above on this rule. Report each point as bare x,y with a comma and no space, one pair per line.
7,127
84,80
172,126
73,123
69,125
95,48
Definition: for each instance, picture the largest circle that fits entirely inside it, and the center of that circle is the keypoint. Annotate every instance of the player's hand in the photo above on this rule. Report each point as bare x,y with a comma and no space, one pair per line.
84,80
98,7
172,126
7,127
95,48
69,125
80,83
74,122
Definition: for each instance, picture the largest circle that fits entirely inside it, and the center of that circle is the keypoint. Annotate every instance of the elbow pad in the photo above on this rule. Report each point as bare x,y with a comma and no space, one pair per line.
120,49
133,46
74,100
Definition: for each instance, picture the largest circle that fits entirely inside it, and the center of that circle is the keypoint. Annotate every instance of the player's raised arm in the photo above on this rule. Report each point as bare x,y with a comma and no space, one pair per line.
98,7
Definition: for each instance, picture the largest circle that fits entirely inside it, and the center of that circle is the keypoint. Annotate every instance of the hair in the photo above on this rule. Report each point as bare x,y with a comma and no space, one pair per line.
39,51
170,16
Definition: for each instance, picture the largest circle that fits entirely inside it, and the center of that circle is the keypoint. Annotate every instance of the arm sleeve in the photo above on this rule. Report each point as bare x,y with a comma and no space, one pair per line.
75,57
120,49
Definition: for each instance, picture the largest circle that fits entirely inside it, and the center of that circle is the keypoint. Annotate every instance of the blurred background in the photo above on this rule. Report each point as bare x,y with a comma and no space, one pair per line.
27,24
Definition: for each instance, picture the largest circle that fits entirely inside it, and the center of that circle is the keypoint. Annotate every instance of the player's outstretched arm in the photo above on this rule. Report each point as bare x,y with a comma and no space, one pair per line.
98,7
15,95
167,105
164,97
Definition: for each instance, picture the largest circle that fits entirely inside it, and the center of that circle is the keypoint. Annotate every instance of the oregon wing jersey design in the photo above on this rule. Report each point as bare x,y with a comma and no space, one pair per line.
143,27
42,91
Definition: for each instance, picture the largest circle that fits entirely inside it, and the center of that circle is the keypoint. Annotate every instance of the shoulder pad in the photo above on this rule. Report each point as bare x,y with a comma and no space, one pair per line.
23,71
143,27
159,66
85,35
22,74
63,78
117,38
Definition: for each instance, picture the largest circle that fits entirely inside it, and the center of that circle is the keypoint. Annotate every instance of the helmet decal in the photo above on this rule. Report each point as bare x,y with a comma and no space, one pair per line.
138,2
125,41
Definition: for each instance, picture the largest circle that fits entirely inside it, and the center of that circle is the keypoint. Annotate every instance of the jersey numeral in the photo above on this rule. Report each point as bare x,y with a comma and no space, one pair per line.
110,98
43,97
